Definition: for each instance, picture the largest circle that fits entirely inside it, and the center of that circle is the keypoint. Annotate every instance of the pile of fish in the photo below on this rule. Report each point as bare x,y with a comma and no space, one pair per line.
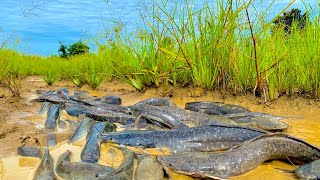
206,139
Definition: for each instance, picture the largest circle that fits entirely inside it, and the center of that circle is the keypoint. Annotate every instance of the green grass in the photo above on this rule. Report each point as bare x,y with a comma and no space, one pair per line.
211,47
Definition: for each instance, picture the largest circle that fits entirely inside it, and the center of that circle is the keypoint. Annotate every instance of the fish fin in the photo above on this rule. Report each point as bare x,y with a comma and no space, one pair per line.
214,177
285,170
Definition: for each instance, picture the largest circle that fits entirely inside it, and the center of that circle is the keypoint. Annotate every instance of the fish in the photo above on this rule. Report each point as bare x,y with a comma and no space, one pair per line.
82,129
149,169
80,170
175,117
52,117
53,97
84,170
242,158
97,112
51,140
158,102
62,124
309,171
259,120
215,108
239,115
45,170
45,106
29,151
91,150
110,99
125,170
201,138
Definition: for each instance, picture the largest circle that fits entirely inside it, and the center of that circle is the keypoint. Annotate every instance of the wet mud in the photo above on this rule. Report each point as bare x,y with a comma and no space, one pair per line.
20,124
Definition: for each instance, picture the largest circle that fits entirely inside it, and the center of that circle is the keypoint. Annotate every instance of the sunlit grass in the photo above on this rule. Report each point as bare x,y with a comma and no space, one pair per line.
210,47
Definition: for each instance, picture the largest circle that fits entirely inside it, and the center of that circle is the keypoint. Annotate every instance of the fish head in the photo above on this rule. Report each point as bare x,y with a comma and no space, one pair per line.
309,171
270,124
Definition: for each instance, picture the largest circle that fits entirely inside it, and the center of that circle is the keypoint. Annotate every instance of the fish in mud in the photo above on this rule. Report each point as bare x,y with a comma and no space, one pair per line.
214,108
202,138
91,150
240,115
52,116
149,169
84,97
53,97
82,129
84,170
309,171
74,109
242,158
110,99
51,140
29,151
45,170
259,120
158,102
175,117
80,170
45,106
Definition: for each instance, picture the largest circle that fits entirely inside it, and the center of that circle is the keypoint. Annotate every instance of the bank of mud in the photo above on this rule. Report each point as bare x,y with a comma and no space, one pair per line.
20,123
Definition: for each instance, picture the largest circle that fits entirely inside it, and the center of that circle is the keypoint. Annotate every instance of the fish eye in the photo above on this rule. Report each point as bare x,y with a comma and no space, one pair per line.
97,175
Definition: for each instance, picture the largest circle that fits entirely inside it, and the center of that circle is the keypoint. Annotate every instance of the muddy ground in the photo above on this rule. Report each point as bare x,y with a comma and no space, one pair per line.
20,123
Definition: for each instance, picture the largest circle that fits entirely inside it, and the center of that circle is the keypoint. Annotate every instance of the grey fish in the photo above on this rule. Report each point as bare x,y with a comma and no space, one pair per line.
85,170
80,170
52,117
149,169
97,112
259,120
45,106
215,108
82,129
242,158
202,138
309,171
110,99
158,102
53,97
176,117
51,140
62,124
91,150
29,151
45,170
155,114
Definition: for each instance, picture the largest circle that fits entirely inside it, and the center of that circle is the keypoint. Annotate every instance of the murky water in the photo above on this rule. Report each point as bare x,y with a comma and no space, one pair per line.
307,128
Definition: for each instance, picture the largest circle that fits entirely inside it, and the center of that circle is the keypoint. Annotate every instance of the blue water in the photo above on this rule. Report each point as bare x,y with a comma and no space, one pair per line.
39,30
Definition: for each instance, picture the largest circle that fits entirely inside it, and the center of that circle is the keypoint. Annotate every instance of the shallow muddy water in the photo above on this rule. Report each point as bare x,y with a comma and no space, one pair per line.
304,124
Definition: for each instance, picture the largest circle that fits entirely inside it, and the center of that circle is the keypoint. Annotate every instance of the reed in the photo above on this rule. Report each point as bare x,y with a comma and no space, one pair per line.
217,46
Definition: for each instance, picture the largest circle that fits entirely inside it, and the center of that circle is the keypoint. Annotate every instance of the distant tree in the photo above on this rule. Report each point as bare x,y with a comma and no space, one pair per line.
78,48
63,51
288,18
74,49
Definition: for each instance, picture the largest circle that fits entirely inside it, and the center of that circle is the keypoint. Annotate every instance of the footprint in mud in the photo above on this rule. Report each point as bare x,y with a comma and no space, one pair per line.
28,139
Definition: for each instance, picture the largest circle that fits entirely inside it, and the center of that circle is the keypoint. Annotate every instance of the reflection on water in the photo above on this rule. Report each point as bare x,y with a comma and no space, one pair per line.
16,167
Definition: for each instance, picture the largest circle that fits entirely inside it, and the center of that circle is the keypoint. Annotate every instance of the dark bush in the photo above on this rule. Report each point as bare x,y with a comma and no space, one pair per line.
288,18
74,49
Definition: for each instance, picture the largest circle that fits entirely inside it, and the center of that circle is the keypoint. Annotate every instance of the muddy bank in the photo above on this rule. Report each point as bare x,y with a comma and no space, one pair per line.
20,123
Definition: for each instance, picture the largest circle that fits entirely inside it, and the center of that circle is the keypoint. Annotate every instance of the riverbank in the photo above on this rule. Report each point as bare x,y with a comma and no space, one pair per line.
19,118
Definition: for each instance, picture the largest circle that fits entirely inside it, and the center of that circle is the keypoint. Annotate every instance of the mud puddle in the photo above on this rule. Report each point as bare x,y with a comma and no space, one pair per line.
19,118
